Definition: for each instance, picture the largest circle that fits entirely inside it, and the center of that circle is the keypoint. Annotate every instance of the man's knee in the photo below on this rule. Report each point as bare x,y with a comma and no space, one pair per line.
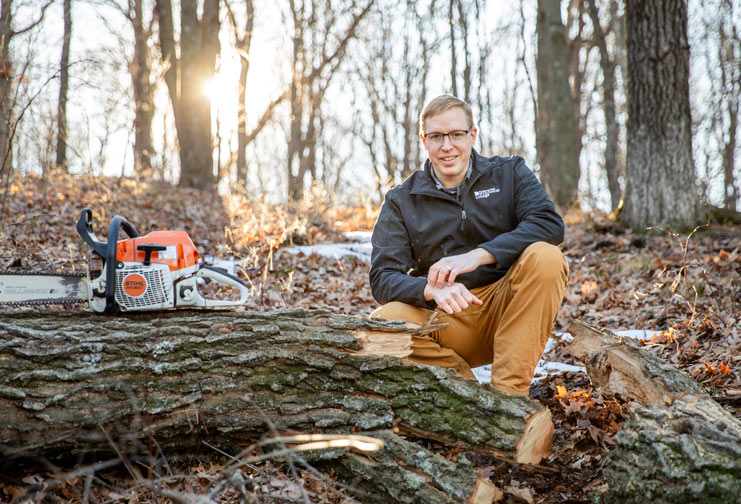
545,260
396,310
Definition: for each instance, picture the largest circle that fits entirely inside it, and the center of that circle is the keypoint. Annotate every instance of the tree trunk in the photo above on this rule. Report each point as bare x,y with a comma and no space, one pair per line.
186,77
453,55
143,94
463,22
728,54
409,136
295,151
76,382
244,41
680,446
556,127
199,46
730,191
577,55
61,160
661,184
607,65
6,80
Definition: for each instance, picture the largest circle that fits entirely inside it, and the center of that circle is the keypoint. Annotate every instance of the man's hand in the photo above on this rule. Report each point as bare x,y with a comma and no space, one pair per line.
451,298
448,268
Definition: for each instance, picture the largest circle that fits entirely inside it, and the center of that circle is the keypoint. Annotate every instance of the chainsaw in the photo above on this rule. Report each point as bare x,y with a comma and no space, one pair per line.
157,271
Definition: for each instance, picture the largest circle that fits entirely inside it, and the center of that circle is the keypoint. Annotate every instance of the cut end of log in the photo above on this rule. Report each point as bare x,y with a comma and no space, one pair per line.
537,438
379,343
485,492
618,366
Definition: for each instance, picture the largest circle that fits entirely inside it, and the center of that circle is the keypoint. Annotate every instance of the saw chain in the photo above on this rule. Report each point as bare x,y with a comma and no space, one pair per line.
62,301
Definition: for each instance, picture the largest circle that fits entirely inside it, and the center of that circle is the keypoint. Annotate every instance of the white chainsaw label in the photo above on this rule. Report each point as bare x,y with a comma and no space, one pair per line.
170,253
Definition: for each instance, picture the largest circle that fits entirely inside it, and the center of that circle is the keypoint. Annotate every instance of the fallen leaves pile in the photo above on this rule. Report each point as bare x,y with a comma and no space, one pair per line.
684,290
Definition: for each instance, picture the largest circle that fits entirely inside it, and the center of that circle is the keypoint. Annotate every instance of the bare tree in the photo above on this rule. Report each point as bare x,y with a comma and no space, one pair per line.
661,184
578,46
729,55
483,97
463,23
243,42
393,70
63,88
143,87
318,48
556,128
137,14
7,101
608,68
186,75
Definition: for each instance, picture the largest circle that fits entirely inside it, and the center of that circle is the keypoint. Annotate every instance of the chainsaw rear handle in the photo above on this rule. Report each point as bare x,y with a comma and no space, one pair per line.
222,276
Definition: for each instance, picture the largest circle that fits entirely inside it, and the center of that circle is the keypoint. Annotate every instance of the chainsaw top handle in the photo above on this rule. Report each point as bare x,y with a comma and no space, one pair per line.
105,250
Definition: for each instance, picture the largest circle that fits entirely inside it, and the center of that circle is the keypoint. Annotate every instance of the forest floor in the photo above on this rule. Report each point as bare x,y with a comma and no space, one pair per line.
685,288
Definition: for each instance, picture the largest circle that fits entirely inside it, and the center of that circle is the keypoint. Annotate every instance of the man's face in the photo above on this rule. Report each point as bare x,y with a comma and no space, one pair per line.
449,159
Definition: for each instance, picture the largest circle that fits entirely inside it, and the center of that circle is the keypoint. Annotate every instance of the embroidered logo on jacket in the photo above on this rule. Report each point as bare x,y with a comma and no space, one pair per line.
485,193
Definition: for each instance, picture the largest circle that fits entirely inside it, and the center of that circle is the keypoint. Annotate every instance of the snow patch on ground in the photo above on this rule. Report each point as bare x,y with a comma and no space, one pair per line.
360,248
226,263
338,250
637,333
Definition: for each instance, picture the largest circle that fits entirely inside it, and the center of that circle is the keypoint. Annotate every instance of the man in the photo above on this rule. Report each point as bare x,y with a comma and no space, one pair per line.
472,238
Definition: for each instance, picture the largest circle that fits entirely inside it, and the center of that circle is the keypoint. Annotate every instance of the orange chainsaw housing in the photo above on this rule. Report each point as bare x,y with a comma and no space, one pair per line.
185,253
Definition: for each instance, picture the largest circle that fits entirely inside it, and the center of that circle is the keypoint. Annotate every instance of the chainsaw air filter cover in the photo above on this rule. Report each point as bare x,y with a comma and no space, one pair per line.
140,287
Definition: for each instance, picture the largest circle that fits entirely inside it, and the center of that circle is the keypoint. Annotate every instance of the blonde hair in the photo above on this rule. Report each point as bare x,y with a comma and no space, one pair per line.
441,104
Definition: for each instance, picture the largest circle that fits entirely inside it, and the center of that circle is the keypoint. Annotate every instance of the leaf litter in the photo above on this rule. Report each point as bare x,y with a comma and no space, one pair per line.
685,290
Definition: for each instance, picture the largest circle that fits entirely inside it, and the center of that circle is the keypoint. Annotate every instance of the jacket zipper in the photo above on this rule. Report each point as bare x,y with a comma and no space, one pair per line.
463,218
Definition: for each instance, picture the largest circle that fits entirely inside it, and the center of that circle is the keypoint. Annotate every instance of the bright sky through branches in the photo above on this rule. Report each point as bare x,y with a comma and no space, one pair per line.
101,110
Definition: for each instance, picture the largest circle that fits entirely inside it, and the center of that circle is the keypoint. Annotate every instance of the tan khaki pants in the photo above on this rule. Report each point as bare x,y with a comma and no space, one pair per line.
508,331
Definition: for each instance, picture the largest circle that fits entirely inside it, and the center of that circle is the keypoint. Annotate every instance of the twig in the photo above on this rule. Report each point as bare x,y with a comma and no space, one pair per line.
134,474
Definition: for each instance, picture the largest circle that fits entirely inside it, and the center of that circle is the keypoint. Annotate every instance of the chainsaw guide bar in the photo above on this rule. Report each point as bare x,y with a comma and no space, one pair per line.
24,288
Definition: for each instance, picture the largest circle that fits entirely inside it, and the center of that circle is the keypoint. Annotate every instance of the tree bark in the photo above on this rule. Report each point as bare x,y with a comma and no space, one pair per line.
607,65
661,183
61,160
243,44
6,80
463,22
729,50
453,55
403,471
680,446
556,128
186,77
72,383
143,89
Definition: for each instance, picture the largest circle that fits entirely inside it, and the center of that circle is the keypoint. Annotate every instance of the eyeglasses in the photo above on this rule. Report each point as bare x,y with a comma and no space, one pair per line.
456,137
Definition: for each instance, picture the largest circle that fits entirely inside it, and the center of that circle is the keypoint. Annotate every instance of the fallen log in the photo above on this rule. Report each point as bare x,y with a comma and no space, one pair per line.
74,382
403,471
680,445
